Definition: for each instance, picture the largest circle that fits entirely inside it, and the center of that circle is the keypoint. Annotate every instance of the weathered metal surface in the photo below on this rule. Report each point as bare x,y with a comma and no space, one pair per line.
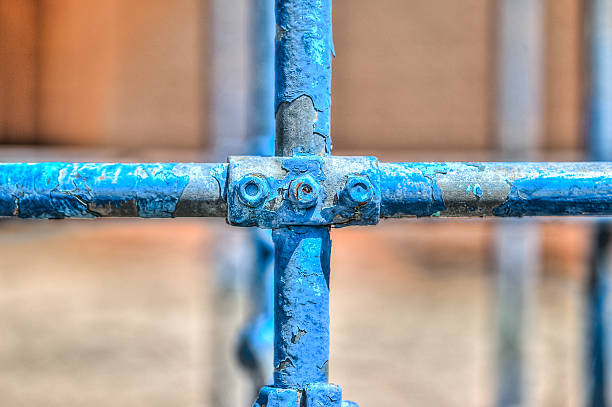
319,197
303,190
302,253
495,189
301,307
89,190
304,51
277,397
323,395
315,395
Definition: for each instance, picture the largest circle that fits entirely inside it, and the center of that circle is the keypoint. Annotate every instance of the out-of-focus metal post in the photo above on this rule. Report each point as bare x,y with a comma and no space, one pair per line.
256,341
517,242
598,318
228,121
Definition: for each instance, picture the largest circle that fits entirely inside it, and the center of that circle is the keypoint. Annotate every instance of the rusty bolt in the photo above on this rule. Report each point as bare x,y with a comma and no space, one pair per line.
253,190
304,192
358,190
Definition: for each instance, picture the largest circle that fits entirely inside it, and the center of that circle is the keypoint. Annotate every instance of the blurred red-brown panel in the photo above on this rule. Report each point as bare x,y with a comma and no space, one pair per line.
122,73
17,70
412,74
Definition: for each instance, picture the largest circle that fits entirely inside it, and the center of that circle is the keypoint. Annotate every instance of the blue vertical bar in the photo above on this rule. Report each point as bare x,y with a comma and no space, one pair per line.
600,143
301,313
301,283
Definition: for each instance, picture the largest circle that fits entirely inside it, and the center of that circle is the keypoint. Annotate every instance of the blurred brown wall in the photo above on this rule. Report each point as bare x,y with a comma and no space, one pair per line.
18,59
416,74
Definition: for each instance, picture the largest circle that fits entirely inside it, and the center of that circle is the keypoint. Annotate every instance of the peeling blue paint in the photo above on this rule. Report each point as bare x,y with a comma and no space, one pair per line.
301,308
331,206
304,51
275,397
323,395
495,189
88,190
411,190
558,196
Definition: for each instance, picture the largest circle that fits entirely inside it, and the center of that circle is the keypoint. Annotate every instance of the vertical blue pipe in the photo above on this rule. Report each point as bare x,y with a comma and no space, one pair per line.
301,313
301,270
600,143
517,242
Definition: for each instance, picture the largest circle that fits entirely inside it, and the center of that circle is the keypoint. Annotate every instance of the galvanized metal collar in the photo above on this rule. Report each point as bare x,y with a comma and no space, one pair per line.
308,190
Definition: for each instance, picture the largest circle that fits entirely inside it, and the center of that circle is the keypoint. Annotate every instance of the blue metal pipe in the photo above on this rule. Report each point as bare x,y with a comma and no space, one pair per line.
302,254
301,306
89,190
600,142
304,52
495,189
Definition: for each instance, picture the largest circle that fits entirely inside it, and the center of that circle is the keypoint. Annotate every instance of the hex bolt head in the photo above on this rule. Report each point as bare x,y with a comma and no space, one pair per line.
253,190
358,190
304,192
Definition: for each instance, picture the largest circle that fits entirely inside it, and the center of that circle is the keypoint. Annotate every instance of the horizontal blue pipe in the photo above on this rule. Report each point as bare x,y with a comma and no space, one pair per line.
88,190
496,189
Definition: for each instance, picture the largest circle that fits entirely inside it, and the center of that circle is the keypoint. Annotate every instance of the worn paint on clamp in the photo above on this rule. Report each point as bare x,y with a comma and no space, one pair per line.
303,191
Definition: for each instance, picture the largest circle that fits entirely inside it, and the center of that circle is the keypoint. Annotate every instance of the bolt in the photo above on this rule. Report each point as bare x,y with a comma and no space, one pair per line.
253,190
304,192
358,190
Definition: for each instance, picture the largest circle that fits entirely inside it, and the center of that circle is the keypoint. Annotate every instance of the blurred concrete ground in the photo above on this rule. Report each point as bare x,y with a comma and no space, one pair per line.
118,312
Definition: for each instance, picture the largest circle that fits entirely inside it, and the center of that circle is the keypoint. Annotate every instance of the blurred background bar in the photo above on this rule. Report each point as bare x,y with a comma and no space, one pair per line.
255,346
598,317
227,86
520,89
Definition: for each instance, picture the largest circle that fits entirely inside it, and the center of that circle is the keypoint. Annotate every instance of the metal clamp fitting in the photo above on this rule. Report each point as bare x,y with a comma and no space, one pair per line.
271,192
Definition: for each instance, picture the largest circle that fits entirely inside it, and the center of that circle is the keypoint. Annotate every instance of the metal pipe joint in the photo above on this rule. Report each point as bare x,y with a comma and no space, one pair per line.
307,190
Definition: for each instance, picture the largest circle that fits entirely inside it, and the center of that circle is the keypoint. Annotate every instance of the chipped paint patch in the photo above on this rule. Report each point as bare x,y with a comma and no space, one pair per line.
301,308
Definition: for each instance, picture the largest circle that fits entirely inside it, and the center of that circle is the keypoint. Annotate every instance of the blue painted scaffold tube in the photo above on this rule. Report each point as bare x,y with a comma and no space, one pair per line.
496,189
303,97
302,253
89,190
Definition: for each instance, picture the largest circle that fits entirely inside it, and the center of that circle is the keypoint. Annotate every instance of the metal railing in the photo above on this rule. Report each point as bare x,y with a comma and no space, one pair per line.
300,194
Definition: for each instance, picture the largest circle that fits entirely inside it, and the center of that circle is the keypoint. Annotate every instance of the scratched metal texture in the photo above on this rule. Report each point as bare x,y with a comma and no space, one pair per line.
89,190
304,52
301,306
495,189
280,178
